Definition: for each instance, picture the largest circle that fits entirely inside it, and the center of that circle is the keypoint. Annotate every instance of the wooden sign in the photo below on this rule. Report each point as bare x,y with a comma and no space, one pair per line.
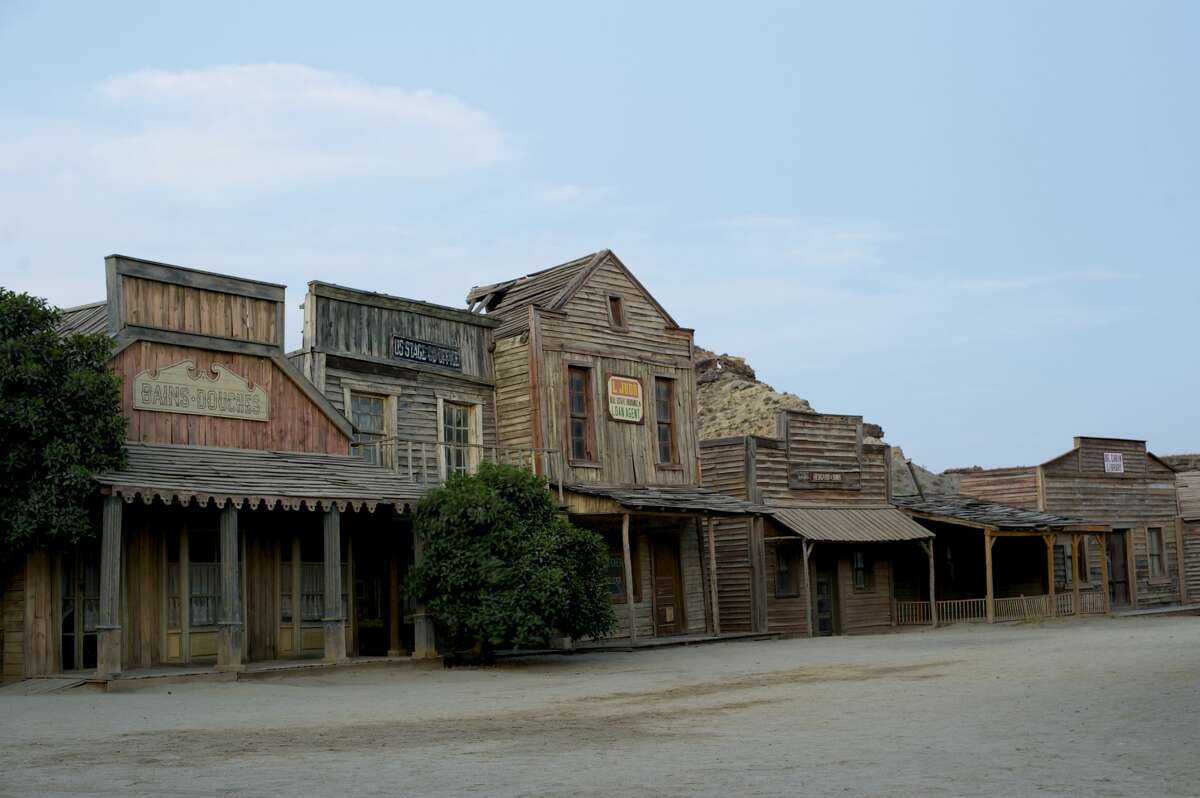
179,388
625,399
809,477
1114,463
424,352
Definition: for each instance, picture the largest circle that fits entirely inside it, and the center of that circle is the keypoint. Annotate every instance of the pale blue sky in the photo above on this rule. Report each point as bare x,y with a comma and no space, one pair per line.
975,224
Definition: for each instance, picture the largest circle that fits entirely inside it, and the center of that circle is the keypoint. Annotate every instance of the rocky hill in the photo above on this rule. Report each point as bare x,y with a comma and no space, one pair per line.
733,402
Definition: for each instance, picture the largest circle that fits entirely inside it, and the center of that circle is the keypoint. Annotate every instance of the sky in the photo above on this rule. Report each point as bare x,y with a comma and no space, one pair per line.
975,224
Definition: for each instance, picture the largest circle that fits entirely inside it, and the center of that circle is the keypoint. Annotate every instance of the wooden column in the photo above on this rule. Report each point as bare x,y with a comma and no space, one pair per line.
806,548
712,574
1049,541
933,614
627,554
1075,573
395,649
990,601
758,582
1104,573
108,626
424,633
332,623
229,624
1179,563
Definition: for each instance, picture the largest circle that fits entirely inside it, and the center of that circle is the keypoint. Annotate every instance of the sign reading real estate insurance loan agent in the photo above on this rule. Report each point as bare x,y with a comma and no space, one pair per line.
624,399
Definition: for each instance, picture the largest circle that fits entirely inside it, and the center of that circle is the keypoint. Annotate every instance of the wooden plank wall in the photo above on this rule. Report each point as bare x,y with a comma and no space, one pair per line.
40,647
141,608
1015,486
1191,562
786,615
149,303
693,579
262,586
12,654
514,409
822,440
869,610
295,425
723,468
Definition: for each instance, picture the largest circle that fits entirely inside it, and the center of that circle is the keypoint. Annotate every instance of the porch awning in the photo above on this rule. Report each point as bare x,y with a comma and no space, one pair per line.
868,524
969,511
672,498
255,477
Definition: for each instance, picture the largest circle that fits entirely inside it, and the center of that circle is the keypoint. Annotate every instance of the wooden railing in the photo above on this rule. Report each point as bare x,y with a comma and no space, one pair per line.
912,613
1091,603
1064,604
962,610
1022,608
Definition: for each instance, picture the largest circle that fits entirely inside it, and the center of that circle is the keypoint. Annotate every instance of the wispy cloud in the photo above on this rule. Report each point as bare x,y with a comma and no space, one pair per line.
569,196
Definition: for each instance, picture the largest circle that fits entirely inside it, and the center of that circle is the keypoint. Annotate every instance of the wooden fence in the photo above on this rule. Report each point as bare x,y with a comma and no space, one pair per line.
912,613
1022,608
1064,604
1091,603
962,611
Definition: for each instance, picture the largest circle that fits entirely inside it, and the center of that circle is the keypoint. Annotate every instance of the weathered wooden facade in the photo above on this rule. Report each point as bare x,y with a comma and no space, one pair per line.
590,365
234,531
828,559
1188,490
1112,482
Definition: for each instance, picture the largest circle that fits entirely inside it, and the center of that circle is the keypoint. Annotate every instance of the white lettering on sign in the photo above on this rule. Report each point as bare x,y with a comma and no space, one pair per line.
1114,463
824,476
624,399
180,389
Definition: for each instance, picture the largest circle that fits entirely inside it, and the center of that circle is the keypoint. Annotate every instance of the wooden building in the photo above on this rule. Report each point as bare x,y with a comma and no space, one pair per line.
589,366
236,530
1188,490
1113,482
829,558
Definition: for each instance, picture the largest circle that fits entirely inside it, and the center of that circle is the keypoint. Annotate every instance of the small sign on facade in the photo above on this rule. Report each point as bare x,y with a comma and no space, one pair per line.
625,399
808,477
424,352
1114,463
179,388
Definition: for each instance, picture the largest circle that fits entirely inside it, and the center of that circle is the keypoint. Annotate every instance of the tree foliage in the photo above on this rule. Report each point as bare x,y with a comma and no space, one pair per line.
60,423
501,567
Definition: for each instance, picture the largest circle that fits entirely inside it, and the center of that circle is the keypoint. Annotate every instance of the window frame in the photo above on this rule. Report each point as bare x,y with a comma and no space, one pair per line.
474,407
1161,574
589,417
867,567
671,423
621,323
784,557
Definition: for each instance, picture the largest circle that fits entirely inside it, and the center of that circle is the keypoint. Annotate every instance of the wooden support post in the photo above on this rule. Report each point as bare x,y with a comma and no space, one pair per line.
424,633
229,624
332,622
1049,541
108,626
1104,573
628,556
990,601
1078,608
933,613
758,572
1179,563
806,548
395,649
712,574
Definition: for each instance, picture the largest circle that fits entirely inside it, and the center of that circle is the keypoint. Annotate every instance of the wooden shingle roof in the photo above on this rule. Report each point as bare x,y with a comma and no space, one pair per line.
83,320
977,512
672,498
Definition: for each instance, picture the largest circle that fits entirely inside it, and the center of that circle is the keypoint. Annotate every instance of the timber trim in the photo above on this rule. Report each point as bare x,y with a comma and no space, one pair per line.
373,299
399,367
194,278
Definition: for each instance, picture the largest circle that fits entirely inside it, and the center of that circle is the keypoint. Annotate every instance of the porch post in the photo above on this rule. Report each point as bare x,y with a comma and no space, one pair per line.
108,626
1104,573
933,614
628,576
990,601
806,547
394,609
229,636
1049,541
712,575
424,634
1075,574
332,622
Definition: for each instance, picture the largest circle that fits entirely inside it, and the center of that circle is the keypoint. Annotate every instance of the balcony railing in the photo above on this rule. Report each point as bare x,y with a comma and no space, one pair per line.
426,462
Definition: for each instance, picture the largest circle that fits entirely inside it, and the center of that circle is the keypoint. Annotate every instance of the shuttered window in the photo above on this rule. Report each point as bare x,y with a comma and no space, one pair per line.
1155,551
664,416
579,397
864,572
787,572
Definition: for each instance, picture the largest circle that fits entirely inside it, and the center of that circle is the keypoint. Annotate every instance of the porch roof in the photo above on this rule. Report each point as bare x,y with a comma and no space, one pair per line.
672,498
249,477
867,524
968,510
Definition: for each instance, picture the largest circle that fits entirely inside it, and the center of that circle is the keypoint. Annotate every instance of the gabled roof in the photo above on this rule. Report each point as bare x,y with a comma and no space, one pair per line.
548,289
977,512
867,524
83,319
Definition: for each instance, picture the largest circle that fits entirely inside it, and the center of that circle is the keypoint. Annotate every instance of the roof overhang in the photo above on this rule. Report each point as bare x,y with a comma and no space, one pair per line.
683,500
846,524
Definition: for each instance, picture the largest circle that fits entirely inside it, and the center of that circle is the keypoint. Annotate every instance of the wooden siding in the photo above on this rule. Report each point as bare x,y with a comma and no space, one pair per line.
165,306
869,610
1015,486
514,409
39,646
723,468
788,614
141,606
1191,549
12,605
815,440
295,425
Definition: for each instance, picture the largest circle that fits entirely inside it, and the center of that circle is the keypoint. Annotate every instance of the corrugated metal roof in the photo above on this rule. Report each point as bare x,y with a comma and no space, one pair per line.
1187,483
671,497
978,511
868,524
83,320
247,476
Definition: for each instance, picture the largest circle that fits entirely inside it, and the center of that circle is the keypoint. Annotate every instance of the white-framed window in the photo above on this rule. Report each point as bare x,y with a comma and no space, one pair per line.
368,414
460,433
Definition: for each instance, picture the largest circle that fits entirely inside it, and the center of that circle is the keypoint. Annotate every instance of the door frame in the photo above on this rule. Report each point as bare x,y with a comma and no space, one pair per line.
835,602
1125,534
674,541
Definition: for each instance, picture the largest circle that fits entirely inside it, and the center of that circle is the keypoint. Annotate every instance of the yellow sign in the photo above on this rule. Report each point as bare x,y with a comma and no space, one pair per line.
625,399
180,389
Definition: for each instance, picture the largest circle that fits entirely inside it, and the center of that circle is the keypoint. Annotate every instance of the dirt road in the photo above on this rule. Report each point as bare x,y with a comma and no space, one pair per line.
1099,707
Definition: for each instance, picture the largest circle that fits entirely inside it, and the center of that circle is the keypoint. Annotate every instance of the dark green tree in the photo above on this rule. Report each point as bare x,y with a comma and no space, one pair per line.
60,423
500,566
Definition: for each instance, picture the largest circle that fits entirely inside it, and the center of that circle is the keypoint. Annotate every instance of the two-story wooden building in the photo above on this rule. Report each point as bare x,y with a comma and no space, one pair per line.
589,364
829,559
231,534
1113,482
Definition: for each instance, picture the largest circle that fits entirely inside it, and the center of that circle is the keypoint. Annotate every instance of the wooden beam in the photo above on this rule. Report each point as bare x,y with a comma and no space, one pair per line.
1183,591
332,622
758,571
1049,541
1104,574
712,574
628,556
990,601
933,616
1075,573
808,607
229,625
108,626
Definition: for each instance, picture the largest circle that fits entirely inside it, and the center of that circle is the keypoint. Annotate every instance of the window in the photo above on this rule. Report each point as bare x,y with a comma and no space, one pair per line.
366,414
864,572
456,435
204,577
616,567
1154,548
579,391
664,416
174,603
312,577
285,589
616,311
787,572
1082,569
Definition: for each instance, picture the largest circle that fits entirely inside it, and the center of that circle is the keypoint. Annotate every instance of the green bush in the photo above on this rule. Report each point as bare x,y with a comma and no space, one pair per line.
501,567
60,423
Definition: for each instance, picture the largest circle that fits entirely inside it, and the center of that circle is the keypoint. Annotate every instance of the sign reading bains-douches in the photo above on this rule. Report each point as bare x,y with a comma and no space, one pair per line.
624,399
425,352
180,388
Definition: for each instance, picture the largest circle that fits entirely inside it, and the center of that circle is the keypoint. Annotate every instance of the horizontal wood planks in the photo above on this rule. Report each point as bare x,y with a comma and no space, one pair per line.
1191,564
1015,486
166,306
141,605
12,606
514,409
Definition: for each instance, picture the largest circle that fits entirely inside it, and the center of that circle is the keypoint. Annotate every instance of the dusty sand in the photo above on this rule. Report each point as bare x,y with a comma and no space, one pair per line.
1099,707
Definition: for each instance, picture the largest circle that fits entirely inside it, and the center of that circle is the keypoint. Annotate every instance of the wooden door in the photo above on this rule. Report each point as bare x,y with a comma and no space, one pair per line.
262,594
371,598
79,611
668,587
825,614
1118,571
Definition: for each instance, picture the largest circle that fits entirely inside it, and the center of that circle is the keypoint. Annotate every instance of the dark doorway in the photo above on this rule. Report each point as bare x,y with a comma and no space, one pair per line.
825,598
80,610
668,587
371,596
1118,570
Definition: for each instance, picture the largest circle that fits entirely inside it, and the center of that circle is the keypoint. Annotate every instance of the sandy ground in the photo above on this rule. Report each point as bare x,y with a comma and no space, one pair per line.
1099,707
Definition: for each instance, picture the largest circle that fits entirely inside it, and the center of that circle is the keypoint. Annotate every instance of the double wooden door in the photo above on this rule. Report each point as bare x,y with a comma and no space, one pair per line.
669,615
79,610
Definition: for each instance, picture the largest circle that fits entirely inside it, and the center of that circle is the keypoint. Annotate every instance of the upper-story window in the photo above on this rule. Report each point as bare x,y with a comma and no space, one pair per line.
367,416
616,311
664,417
579,396
456,436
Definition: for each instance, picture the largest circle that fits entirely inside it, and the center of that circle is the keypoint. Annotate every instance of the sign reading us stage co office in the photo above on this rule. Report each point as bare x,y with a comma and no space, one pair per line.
424,352
179,388
625,399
